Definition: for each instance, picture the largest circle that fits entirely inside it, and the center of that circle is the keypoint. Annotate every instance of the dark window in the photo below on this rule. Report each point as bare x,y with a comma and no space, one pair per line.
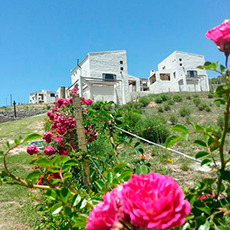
180,64
121,62
180,59
174,74
52,95
192,73
122,68
108,76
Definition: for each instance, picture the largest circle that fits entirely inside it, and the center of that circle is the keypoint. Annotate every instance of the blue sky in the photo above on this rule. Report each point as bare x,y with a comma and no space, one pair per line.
40,41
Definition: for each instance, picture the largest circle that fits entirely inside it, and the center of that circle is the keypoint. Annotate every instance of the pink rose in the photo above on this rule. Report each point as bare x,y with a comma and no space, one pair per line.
153,201
32,149
49,150
103,215
47,136
221,35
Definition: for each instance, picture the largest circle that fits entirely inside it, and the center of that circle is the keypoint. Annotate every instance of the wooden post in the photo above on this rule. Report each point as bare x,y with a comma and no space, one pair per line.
62,92
14,109
81,138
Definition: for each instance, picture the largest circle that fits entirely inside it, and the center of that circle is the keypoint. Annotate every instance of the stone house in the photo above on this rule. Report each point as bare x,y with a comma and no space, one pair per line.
178,72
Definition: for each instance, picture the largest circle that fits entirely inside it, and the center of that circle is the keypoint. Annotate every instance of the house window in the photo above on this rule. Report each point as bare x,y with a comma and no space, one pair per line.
180,59
165,76
180,64
174,74
121,62
192,73
163,67
122,68
52,95
108,76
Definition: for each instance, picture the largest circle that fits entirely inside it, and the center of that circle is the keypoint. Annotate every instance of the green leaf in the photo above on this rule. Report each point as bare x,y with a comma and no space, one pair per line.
137,143
206,162
219,101
43,162
204,208
201,155
58,160
110,177
1,153
34,174
77,200
171,140
100,184
213,146
180,128
200,67
125,175
56,208
222,68
119,167
141,169
32,137
16,141
83,204
65,194
200,143
51,194
67,175
207,63
205,226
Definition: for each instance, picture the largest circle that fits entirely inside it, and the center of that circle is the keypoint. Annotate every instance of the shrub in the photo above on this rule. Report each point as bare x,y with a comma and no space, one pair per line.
202,106
136,105
177,98
210,95
195,96
160,109
144,100
188,97
171,102
130,119
167,107
155,128
184,112
208,109
188,119
196,101
173,119
164,97
158,99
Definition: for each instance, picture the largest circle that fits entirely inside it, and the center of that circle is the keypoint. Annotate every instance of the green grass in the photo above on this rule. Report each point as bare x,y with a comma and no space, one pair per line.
17,211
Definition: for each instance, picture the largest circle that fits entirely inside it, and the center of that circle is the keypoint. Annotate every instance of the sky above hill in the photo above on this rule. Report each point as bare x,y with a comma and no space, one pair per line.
40,41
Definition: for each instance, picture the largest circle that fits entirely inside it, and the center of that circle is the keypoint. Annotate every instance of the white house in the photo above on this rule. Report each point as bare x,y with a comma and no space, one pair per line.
104,76
178,72
43,96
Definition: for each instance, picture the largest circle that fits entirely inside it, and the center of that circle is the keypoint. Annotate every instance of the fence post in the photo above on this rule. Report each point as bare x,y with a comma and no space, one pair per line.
81,138
14,109
62,92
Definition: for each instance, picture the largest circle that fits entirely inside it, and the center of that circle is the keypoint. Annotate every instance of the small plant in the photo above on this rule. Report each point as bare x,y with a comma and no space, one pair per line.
167,107
160,109
188,97
171,102
208,109
165,97
184,112
188,119
202,106
210,95
196,101
144,100
130,119
158,99
177,98
173,119
195,96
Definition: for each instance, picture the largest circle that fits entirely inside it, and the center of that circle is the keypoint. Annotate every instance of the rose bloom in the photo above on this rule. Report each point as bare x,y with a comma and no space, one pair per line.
153,201
221,35
47,136
49,150
32,149
103,215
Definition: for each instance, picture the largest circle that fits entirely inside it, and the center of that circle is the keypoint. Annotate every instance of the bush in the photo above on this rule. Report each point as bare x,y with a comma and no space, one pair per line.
202,106
171,102
165,97
210,95
135,105
196,101
173,119
158,99
144,100
155,128
184,112
208,109
177,98
188,97
160,109
195,96
167,107
130,119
